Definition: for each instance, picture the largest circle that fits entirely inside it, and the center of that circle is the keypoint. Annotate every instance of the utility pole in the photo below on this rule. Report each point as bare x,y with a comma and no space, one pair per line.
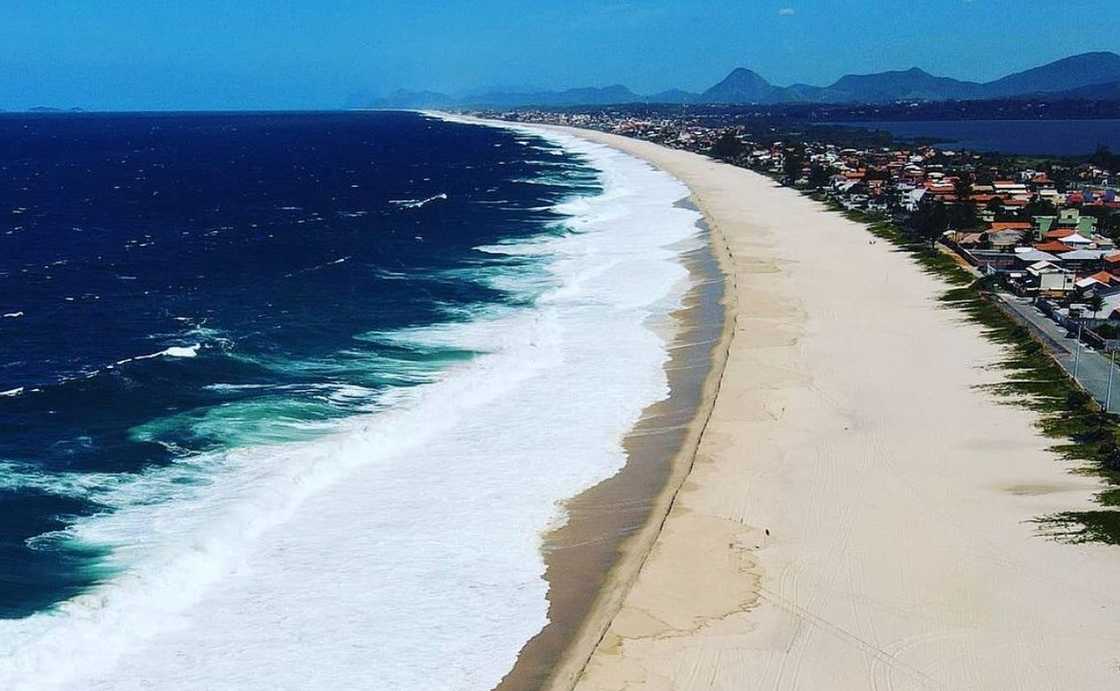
1108,396
1077,353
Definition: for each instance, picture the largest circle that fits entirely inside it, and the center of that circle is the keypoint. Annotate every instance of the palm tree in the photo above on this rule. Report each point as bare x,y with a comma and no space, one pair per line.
1096,303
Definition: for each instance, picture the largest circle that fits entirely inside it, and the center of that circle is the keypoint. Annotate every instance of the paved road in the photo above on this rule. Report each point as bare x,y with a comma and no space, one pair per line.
1092,366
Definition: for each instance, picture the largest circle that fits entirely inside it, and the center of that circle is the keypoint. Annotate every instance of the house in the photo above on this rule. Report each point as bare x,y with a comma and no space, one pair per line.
1047,279
971,240
1010,190
1100,283
1025,256
1012,225
1112,263
1005,240
1110,308
1068,236
911,201
1084,261
1053,247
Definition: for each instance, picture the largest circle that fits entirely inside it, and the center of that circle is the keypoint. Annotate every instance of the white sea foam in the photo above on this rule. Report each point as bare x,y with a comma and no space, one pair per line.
417,203
173,351
403,550
13,315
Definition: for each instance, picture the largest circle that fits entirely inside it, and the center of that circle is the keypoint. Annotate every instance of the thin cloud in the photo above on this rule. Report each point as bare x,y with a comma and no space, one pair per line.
787,12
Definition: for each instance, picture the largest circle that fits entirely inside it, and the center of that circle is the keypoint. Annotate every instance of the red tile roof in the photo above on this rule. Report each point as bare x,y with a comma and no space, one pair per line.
1012,225
1059,233
1053,247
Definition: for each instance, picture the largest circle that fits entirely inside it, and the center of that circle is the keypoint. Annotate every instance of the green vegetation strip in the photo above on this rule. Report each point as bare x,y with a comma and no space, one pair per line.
1089,437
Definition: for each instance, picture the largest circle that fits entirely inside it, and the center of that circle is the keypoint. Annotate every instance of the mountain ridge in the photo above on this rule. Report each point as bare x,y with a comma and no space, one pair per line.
1076,74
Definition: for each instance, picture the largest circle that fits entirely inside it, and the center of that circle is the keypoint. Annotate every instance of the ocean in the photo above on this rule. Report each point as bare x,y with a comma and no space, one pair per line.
288,400
1042,137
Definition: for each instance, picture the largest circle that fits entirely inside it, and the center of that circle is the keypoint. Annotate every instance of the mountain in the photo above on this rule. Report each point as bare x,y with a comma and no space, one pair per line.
403,98
673,96
1077,76
895,85
1108,91
745,86
742,86
916,84
1063,75
803,93
588,96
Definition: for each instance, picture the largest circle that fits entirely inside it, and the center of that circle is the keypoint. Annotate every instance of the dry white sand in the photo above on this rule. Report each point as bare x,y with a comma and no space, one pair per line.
898,497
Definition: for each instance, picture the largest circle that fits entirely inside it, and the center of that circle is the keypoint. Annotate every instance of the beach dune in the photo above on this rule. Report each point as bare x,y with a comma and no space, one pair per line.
859,514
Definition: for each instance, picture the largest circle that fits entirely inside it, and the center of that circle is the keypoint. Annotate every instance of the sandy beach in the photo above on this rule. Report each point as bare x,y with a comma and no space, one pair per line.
858,514
592,558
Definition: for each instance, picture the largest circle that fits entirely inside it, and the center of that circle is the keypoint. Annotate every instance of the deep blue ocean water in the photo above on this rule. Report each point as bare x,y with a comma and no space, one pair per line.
180,284
1053,137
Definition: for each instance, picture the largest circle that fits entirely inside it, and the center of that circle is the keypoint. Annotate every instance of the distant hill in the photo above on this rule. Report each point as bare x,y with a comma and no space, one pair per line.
913,84
743,86
1078,74
916,84
1063,75
588,96
673,96
1108,91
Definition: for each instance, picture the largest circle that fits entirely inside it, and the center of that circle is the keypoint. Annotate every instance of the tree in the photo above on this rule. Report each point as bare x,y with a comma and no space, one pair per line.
818,176
1058,174
1039,206
1105,159
794,162
961,216
1096,303
1108,220
728,147
930,222
877,174
995,205
963,189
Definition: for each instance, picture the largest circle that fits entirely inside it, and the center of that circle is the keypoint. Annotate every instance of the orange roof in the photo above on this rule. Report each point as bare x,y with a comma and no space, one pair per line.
1113,258
1011,225
1059,233
1053,247
1102,277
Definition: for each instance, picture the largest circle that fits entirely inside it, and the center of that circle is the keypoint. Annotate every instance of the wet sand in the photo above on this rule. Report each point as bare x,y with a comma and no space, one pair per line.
592,559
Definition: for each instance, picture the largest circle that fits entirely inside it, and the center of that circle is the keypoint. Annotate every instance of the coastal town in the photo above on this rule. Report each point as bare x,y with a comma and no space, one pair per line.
1045,229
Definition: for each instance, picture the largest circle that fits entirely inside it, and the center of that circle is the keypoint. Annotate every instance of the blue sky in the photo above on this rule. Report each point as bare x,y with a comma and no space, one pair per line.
197,54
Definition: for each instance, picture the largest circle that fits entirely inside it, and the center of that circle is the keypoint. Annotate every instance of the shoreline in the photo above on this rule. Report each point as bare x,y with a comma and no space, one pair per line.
593,558
832,534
